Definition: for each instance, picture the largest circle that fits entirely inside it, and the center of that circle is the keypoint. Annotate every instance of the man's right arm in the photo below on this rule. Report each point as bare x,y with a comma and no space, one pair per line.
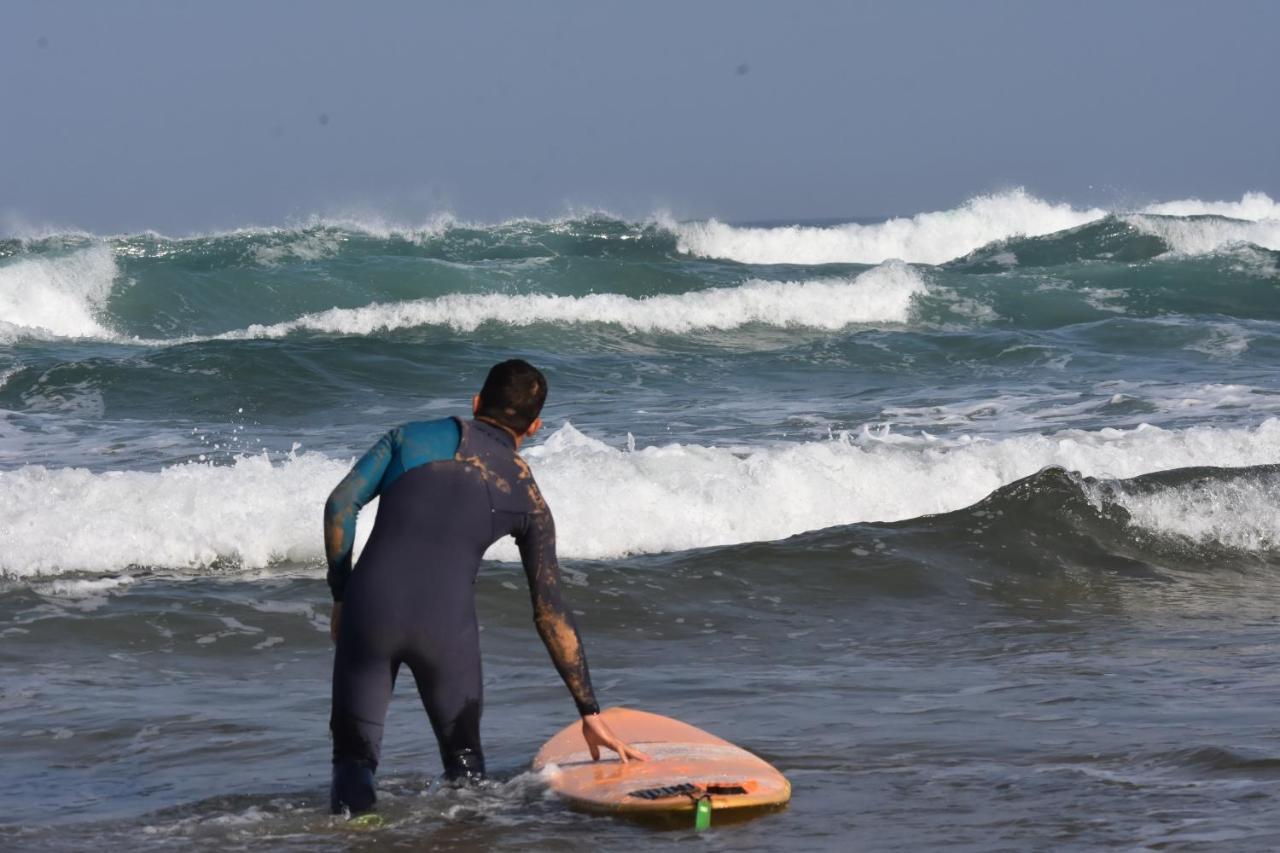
537,542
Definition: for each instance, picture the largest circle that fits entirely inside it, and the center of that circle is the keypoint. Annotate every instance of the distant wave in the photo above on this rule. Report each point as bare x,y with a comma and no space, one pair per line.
880,295
675,496
1252,206
941,236
269,283
49,306
929,238
1205,234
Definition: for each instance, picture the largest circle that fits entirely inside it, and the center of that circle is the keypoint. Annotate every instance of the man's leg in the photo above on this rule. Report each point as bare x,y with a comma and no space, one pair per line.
362,687
451,691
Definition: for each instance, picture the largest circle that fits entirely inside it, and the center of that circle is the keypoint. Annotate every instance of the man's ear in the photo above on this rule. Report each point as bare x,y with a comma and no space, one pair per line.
533,427
475,405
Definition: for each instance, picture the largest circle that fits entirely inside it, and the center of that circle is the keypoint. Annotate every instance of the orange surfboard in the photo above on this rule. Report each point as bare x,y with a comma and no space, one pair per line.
685,765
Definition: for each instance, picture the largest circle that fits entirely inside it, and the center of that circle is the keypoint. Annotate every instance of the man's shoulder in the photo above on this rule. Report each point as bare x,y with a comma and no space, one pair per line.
420,427
436,438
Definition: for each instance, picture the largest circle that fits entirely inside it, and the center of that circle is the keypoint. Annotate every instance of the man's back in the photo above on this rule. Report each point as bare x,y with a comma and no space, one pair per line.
448,489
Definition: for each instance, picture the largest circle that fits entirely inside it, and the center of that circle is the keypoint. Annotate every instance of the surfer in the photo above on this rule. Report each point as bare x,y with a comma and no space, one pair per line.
449,488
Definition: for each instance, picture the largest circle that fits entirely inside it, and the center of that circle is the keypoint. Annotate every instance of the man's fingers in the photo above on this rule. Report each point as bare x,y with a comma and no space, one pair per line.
596,739
626,752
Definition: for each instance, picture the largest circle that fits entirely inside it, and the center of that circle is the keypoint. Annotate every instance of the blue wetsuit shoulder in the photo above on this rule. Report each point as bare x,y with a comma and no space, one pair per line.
419,443
402,449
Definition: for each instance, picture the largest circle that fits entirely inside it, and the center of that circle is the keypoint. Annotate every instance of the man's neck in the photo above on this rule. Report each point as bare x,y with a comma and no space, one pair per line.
519,439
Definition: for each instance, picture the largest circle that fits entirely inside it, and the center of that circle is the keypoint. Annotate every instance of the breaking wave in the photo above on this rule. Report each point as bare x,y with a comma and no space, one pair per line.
58,296
880,295
365,276
673,497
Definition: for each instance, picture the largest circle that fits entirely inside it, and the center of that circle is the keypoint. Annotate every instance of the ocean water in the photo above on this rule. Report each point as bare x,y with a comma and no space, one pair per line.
967,521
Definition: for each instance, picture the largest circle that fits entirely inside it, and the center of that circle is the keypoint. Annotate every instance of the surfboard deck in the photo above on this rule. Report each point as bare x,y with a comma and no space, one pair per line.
685,764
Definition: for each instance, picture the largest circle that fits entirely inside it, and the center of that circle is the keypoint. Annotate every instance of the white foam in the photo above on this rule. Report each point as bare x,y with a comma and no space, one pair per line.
1223,341
685,496
1198,400
83,594
880,295
1237,513
609,501
1253,206
1206,236
74,588
56,297
252,513
929,238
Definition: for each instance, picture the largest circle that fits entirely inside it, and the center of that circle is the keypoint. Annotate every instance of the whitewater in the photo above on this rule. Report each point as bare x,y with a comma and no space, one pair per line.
676,496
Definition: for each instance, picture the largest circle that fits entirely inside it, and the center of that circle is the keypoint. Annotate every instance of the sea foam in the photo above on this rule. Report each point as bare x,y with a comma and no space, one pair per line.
880,295
1202,236
939,236
609,501
1253,206
929,238
1239,514
58,296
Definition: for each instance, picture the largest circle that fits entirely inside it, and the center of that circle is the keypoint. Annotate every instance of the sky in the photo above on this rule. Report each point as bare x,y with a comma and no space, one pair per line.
178,117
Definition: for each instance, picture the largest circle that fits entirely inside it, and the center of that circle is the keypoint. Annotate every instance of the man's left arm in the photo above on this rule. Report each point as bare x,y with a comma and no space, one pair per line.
356,489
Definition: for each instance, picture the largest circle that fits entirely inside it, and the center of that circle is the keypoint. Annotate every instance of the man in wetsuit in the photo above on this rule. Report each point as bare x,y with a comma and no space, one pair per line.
449,489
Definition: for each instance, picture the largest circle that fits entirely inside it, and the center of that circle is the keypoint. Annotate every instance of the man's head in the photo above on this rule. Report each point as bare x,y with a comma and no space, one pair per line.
512,396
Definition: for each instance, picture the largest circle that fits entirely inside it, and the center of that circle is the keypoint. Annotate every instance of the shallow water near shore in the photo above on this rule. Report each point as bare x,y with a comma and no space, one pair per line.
969,528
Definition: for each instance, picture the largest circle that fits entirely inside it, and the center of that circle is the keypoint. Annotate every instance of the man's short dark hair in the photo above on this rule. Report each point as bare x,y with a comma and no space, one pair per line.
513,394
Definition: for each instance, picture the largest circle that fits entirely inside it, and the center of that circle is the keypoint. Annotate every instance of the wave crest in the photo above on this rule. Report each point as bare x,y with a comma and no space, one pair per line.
929,238
56,297
1203,235
1237,512
675,496
880,295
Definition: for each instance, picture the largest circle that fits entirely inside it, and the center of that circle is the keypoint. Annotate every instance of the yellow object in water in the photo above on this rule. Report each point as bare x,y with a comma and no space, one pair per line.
368,820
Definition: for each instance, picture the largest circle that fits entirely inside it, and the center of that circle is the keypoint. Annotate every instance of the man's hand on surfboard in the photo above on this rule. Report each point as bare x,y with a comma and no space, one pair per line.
597,734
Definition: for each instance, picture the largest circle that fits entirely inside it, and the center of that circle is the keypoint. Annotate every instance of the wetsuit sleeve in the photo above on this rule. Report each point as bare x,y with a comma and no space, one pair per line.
340,511
537,543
